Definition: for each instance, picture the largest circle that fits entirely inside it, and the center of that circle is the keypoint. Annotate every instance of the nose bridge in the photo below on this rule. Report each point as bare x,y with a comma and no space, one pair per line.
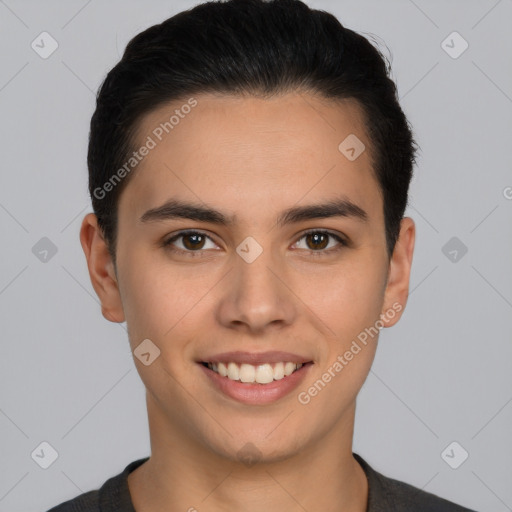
256,295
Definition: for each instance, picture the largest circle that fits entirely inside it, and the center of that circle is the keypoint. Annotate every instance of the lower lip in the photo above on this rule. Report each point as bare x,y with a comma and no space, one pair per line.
257,394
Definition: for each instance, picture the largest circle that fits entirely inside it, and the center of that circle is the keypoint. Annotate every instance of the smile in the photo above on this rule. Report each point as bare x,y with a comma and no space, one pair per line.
257,384
248,373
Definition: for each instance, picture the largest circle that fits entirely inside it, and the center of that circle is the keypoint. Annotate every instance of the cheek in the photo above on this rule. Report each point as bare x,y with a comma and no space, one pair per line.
350,307
354,313
160,302
347,299
150,296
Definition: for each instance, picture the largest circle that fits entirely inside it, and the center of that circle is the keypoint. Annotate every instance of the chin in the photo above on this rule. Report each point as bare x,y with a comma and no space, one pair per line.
256,447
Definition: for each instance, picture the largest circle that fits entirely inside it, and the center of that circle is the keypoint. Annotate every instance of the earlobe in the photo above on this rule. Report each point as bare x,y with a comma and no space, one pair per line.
101,269
397,288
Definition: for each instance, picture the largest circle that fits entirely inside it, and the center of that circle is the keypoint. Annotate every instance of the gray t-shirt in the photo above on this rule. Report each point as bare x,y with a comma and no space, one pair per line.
384,495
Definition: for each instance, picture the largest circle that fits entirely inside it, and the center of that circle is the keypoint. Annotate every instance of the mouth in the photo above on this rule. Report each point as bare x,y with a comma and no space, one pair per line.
255,384
264,373
255,378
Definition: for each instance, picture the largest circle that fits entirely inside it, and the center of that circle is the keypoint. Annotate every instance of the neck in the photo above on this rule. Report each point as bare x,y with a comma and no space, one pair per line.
184,475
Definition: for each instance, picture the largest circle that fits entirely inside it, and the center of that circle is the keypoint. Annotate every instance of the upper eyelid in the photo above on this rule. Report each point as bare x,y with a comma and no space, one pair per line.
189,232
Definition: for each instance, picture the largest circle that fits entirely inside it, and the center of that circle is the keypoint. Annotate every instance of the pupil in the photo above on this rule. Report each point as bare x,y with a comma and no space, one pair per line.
316,238
197,239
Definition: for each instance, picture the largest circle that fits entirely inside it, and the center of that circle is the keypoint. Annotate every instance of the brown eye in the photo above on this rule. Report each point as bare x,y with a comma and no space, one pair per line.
319,243
193,241
189,243
317,240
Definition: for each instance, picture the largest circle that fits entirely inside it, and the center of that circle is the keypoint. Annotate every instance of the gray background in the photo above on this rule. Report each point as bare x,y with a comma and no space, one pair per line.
443,374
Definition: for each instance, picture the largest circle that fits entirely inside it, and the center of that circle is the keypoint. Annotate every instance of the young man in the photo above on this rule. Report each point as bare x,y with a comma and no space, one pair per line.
249,169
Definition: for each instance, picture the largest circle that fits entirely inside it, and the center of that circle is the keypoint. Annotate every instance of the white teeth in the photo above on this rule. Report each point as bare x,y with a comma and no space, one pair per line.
233,371
279,371
222,370
264,374
248,373
288,369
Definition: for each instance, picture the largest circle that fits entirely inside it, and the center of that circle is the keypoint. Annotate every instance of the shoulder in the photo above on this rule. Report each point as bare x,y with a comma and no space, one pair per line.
87,502
389,494
111,497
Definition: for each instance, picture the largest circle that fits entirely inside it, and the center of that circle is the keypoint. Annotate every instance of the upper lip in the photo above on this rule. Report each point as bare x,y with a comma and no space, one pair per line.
255,358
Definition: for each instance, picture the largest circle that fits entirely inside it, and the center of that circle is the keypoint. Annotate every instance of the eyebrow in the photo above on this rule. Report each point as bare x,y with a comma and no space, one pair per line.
176,209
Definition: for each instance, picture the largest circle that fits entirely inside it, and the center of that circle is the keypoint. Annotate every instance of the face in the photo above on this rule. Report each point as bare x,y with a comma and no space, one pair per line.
284,252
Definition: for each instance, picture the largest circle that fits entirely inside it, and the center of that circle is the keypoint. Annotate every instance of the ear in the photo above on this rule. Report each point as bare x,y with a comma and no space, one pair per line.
101,269
397,287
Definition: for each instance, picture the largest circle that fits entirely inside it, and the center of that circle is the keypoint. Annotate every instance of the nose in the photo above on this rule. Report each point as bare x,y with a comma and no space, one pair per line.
256,296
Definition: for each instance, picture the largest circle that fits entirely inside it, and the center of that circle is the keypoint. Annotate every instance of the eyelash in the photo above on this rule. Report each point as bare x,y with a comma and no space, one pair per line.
167,244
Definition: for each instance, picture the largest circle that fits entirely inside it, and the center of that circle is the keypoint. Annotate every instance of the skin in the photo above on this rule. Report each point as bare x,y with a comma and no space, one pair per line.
253,158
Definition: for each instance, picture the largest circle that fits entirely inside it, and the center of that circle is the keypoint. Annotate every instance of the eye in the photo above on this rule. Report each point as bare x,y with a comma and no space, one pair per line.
191,242
318,242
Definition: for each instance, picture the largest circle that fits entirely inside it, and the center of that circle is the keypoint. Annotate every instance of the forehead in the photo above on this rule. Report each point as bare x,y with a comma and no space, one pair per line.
258,153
